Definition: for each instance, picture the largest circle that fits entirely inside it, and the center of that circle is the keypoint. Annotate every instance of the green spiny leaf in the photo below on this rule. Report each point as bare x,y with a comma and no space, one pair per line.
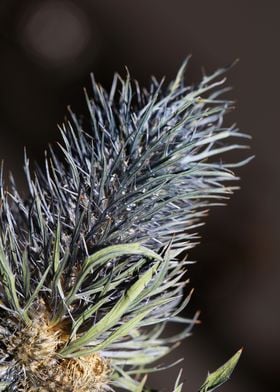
221,375
114,315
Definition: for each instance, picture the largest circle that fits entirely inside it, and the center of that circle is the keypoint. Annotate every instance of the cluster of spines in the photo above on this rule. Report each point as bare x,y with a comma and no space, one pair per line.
99,236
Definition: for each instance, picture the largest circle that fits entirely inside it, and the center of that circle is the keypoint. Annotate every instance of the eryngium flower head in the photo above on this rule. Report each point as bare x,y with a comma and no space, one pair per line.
89,262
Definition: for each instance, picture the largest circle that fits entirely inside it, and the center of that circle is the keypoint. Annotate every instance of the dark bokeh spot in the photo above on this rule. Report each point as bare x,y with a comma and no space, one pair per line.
55,33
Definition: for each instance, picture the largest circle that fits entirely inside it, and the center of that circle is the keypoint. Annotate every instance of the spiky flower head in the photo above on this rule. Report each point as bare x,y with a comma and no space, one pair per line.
89,265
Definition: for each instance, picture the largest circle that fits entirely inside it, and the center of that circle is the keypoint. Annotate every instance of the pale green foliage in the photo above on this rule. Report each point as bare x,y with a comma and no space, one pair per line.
221,375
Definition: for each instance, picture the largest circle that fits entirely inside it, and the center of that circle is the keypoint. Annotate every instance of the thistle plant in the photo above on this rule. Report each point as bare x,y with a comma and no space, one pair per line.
93,260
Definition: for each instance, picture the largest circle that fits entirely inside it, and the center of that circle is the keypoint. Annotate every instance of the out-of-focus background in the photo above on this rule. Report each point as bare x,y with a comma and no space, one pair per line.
47,50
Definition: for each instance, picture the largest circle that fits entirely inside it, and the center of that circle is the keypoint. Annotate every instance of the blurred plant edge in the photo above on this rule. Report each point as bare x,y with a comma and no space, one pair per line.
213,381
221,375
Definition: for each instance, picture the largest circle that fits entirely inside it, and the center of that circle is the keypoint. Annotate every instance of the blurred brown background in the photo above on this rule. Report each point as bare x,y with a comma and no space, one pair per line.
48,48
